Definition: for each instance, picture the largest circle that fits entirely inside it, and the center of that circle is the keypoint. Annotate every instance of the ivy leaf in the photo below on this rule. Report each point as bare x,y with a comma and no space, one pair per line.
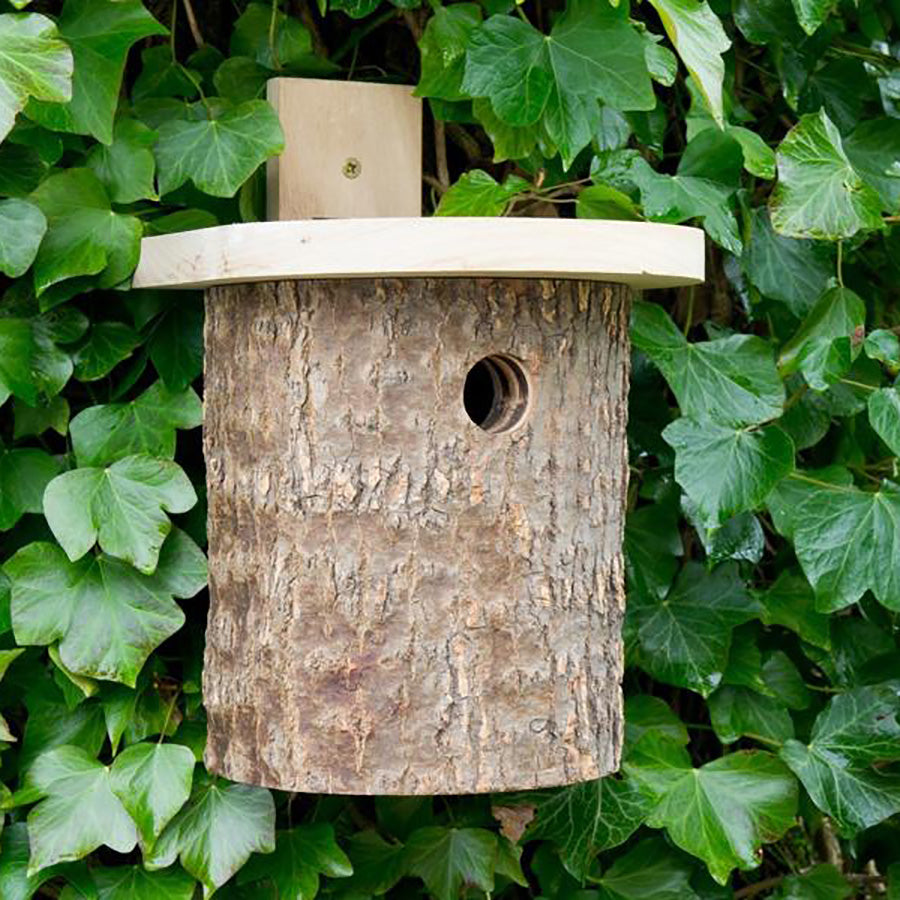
727,470
700,40
874,148
106,346
153,782
724,811
80,812
290,43
301,855
591,54
107,617
176,345
741,712
121,505
645,714
837,318
106,433
477,194
443,50
215,833
220,153
84,237
163,76
684,640
22,226
790,270
857,728
15,881
135,883
100,33
127,166
680,197
730,380
34,62
583,819
24,474
652,545
812,13
842,536
822,882
17,352
448,858
884,346
377,864
884,416
790,602
819,194
649,871
32,421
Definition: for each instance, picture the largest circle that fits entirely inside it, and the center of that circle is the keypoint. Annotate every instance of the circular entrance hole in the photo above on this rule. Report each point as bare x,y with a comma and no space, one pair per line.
496,393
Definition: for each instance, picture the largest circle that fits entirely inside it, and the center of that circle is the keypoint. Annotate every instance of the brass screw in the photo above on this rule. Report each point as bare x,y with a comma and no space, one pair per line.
352,167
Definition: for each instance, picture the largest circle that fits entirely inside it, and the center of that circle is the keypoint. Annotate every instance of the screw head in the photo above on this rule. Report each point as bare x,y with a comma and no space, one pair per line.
352,167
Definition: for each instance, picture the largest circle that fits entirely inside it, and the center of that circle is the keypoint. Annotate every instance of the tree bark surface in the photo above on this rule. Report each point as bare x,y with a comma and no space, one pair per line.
402,602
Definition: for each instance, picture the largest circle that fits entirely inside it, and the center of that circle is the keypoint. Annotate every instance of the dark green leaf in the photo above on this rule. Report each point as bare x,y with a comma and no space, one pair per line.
217,154
106,616
24,474
649,871
700,39
448,858
731,380
741,712
22,226
443,50
874,148
107,345
583,819
84,238
592,54
841,536
100,33
300,857
216,832
80,812
121,505
477,194
835,321
34,62
819,194
271,38
856,729
684,639
153,782
104,434
822,882
176,345
17,351
791,270
135,883
790,602
727,470
884,416
127,166
35,420
724,811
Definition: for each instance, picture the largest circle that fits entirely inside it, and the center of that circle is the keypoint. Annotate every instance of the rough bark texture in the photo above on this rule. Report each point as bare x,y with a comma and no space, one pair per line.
403,603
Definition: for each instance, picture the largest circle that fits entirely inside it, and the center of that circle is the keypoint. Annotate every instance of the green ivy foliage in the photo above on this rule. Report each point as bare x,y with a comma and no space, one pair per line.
763,534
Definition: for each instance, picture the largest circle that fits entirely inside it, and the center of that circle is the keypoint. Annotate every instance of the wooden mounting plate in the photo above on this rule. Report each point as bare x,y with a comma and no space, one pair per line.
640,254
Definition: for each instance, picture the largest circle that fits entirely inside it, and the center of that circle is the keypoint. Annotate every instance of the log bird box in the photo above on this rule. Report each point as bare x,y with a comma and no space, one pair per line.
416,463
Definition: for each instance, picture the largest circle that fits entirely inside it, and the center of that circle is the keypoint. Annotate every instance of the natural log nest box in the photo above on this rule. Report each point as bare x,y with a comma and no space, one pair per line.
416,463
